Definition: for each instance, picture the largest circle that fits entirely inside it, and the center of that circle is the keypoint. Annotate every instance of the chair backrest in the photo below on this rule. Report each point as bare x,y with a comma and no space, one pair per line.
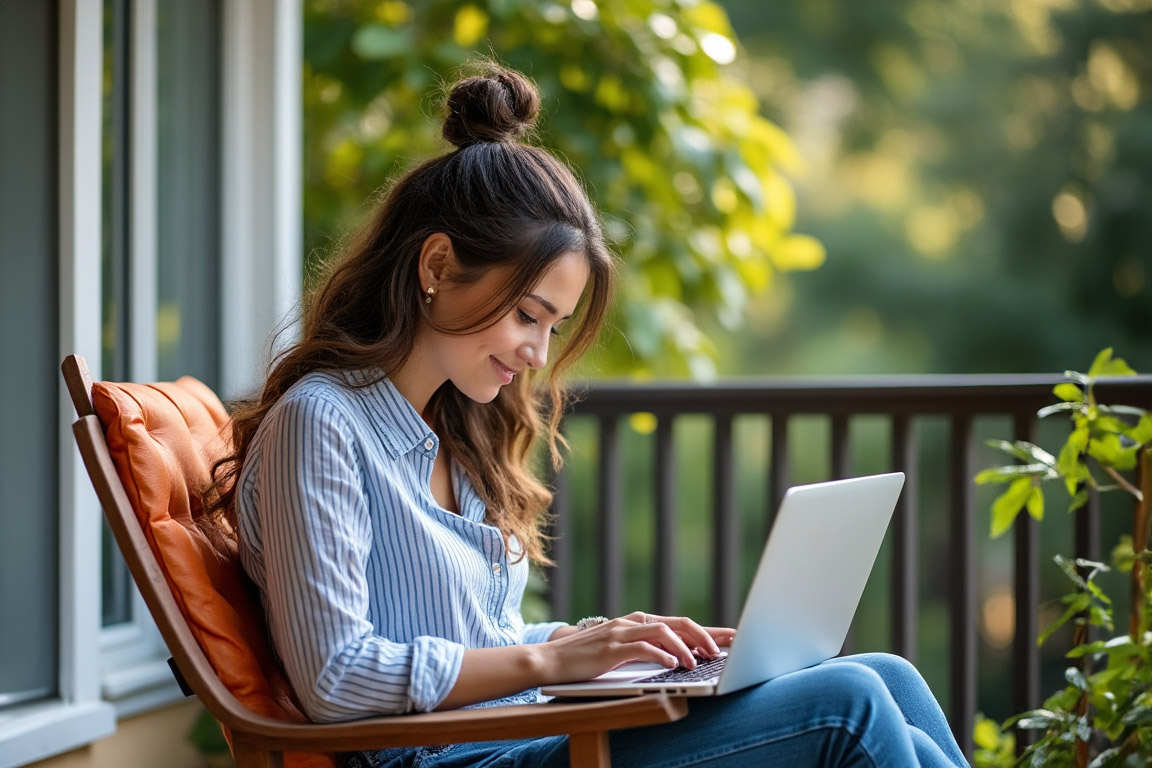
149,449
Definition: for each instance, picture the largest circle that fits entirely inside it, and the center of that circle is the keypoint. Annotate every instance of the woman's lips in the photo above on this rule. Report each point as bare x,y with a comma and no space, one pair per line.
505,372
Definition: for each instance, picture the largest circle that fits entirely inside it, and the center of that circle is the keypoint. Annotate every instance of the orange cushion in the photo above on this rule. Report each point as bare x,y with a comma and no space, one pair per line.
163,439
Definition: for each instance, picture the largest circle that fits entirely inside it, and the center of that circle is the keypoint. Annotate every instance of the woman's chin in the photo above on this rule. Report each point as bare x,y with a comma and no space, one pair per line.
480,394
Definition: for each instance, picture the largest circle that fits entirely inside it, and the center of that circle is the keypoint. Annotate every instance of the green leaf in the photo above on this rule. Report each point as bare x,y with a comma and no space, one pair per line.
1069,392
1070,453
1075,677
1142,432
1109,758
1110,452
1077,377
1034,722
1139,714
1078,604
1013,472
986,734
1009,504
1079,499
1048,410
1123,555
1024,450
1106,365
1087,649
1035,503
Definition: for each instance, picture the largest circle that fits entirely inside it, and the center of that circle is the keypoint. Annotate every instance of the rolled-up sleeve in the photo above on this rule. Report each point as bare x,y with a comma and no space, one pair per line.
539,633
316,535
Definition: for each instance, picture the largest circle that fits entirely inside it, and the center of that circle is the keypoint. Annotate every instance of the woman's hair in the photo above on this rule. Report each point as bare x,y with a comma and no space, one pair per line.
502,203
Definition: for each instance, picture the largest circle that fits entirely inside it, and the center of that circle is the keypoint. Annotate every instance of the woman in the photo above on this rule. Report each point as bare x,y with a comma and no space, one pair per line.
385,506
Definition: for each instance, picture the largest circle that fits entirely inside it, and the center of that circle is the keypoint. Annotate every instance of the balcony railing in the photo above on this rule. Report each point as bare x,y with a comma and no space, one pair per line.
901,402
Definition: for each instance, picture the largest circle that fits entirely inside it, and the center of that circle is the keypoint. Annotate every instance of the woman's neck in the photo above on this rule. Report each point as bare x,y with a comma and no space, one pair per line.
417,380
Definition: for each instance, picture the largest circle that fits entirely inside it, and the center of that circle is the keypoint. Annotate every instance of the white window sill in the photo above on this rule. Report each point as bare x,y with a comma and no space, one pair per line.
36,731
140,687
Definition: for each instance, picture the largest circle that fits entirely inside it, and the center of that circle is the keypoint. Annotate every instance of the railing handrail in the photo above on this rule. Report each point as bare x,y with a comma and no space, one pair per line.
904,394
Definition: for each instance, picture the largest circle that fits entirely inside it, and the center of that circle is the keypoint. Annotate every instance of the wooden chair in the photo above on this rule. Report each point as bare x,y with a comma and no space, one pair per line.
145,447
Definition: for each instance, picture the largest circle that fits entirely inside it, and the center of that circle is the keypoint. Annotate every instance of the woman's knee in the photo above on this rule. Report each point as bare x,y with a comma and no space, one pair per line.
849,684
893,669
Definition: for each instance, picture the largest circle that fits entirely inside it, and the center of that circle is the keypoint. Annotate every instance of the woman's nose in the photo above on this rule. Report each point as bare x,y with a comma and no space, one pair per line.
536,354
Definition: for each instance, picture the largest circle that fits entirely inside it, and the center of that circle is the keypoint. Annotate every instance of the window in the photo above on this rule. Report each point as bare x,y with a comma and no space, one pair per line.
160,259
28,301
138,141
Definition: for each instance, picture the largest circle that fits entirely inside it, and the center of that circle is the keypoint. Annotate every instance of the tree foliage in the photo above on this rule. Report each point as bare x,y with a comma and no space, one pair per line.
985,160
638,97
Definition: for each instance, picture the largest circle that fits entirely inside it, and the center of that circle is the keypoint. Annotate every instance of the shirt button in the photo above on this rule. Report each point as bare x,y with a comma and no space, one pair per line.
496,568
428,444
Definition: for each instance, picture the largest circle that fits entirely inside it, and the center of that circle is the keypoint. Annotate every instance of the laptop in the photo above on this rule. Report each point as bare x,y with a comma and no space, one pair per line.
805,592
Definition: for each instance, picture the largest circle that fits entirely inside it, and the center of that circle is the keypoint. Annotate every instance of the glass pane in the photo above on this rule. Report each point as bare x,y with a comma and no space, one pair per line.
116,585
188,180
29,370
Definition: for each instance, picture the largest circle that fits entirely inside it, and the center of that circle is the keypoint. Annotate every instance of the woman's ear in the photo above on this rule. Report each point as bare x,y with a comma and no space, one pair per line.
436,259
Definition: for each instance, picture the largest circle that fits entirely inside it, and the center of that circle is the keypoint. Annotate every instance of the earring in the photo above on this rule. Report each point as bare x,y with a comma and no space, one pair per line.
431,292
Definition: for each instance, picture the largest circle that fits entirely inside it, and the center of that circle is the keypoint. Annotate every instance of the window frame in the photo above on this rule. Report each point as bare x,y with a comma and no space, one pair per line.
261,235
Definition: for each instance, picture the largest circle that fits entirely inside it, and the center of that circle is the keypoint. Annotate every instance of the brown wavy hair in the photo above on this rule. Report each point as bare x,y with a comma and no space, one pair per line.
502,203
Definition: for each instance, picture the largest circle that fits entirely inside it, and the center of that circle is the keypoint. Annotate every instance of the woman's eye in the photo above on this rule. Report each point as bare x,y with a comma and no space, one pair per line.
527,319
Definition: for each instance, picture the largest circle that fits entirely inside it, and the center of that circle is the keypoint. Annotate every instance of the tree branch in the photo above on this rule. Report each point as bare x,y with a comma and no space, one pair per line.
1124,483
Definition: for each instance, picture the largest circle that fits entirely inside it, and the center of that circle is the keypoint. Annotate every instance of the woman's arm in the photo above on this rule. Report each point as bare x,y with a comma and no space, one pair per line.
572,655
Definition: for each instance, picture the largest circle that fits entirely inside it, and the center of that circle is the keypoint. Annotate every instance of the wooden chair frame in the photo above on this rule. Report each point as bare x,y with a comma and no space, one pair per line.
259,741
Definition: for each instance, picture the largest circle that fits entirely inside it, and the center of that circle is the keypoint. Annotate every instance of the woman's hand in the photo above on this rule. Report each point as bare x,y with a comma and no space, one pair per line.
574,655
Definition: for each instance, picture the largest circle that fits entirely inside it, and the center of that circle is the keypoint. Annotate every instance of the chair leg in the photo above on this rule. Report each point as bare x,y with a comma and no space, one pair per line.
252,757
589,750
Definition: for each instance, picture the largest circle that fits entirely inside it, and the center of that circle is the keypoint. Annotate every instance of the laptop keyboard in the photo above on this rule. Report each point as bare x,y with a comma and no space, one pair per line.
706,669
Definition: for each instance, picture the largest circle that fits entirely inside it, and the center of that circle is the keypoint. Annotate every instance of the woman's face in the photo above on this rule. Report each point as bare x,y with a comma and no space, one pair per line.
479,363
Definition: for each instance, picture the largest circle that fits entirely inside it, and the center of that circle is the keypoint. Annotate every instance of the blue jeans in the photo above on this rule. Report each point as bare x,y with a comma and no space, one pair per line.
871,710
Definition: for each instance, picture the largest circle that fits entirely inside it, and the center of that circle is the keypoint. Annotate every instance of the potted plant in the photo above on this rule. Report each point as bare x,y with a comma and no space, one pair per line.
1102,718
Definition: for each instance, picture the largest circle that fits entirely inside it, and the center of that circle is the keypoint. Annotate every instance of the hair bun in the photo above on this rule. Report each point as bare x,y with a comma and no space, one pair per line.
497,105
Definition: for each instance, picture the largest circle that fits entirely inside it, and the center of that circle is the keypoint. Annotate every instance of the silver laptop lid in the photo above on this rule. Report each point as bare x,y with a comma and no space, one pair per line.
811,575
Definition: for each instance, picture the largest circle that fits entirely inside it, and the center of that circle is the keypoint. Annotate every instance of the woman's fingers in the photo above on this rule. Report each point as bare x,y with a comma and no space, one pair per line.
693,634
660,634
644,651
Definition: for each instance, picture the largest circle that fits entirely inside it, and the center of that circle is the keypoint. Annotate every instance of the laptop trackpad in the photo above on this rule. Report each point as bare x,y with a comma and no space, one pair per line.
631,671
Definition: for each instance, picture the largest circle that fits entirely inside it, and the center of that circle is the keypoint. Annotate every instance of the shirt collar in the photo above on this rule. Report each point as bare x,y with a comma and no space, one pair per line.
399,425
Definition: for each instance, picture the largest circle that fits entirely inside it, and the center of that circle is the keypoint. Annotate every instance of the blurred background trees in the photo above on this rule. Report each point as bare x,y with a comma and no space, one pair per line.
980,173
637,97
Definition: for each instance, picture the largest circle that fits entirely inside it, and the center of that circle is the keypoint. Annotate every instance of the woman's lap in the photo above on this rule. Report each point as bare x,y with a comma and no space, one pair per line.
872,710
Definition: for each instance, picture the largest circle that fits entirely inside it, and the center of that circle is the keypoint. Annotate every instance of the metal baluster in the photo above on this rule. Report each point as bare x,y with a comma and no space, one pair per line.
1026,588
726,557
904,593
841,459
610,524
665,518
560,574
963,569
779,469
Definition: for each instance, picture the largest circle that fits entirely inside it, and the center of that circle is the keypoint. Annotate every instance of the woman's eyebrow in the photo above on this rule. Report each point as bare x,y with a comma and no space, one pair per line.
547,305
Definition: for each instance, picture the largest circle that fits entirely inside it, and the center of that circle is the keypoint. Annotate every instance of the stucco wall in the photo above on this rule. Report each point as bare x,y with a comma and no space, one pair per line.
152,740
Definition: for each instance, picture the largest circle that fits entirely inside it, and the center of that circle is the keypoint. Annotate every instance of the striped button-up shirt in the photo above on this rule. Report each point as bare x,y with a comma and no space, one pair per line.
372,590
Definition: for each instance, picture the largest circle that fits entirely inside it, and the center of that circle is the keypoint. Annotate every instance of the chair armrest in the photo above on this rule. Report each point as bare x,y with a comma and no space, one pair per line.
521,721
